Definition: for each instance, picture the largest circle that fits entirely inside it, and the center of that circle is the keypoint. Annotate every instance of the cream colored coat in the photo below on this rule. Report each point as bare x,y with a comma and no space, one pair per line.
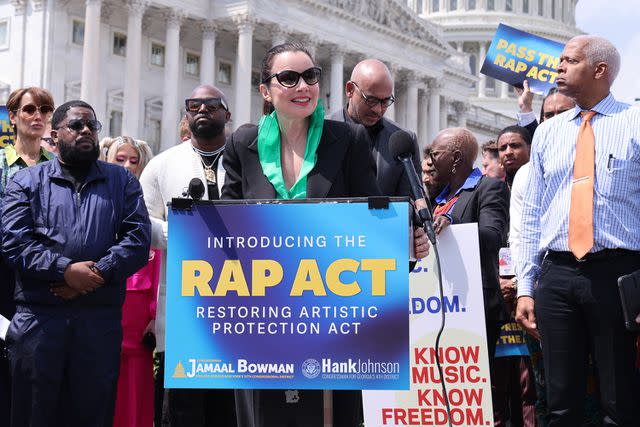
166,176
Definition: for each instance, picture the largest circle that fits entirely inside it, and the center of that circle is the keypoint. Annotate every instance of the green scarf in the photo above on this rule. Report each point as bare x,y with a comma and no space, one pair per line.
269,153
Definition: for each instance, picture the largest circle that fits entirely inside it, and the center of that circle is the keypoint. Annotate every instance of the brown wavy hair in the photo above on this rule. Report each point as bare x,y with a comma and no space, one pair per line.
40,97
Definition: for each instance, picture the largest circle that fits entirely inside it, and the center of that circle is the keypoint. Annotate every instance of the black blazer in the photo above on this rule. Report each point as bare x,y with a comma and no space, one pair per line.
488,205
390,174
531,127
344,167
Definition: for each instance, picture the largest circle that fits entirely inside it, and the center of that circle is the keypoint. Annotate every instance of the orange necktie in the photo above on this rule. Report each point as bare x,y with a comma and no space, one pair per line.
581,210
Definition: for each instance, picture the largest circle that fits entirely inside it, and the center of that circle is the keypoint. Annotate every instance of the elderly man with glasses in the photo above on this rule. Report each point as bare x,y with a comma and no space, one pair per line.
370,93
166,176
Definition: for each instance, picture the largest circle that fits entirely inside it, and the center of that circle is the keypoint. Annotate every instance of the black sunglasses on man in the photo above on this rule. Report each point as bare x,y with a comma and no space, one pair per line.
212,105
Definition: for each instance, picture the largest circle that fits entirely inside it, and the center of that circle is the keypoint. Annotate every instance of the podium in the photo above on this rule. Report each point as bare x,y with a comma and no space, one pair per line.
290,297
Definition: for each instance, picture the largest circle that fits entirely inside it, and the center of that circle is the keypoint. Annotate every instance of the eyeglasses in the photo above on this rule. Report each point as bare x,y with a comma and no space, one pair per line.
433,154
48,140
31,109
290,78
77,125
211,104
372,101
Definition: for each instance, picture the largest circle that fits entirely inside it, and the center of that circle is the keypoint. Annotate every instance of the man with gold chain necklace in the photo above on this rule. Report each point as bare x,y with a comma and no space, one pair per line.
167,176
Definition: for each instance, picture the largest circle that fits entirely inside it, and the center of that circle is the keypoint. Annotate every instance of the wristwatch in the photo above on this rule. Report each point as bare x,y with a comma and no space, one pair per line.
514,283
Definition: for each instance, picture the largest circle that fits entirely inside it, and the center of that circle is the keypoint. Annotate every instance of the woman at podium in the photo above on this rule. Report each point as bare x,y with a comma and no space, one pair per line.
294,153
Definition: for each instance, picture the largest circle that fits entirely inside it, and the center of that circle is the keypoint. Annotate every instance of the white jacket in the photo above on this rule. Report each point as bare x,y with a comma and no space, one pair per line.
166,176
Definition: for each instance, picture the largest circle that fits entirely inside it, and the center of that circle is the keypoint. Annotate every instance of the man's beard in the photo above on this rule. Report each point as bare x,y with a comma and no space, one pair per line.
207,129
72,156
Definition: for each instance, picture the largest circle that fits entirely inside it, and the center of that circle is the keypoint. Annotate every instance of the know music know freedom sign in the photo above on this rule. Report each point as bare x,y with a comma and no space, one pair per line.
463,346
291,295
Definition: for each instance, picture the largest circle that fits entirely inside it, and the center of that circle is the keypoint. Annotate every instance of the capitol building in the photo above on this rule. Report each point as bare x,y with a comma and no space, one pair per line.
136,61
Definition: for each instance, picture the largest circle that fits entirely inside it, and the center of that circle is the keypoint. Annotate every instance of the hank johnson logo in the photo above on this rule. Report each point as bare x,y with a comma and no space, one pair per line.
311,368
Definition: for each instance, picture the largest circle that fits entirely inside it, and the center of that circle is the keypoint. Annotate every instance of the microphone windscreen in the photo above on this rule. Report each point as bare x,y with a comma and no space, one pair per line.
401,144
196,188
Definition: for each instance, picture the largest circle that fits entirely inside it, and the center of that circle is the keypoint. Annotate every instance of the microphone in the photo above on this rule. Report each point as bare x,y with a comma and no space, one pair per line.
196,189
401,148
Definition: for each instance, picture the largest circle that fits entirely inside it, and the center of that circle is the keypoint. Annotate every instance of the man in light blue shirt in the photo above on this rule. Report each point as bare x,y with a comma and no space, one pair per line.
577,309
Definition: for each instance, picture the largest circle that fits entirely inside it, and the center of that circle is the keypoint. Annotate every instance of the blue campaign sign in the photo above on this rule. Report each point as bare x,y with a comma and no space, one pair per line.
291,295
511,341
6,131
515,56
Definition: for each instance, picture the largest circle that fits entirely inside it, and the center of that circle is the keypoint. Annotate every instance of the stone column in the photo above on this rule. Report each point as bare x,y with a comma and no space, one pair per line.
571,11
131,103
208,58
36,22
433,127
482,84
423,127
337,84
459,47
51,75
461,112
517,7
91,70
391,110
170,102
242,82
17,37
444,111
504,90
412,102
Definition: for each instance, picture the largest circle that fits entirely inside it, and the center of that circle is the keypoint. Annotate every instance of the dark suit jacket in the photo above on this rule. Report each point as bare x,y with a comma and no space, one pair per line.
390,174
344,167
531,127
488,205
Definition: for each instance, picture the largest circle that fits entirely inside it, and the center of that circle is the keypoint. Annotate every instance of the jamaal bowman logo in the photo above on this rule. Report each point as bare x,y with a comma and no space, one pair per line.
311,368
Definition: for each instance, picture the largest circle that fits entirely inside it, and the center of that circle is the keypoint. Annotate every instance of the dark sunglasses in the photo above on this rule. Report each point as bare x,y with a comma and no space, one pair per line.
290,78
77,125
372,101
433,154
211,104
31,109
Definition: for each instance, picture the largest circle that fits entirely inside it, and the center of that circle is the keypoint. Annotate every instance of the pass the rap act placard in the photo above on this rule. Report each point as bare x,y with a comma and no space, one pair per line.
515,56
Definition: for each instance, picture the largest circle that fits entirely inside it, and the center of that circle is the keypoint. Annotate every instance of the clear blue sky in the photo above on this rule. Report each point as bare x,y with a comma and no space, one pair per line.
619,22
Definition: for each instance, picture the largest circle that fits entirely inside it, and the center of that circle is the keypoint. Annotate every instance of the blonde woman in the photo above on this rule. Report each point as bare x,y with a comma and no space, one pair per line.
134,402
125,151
